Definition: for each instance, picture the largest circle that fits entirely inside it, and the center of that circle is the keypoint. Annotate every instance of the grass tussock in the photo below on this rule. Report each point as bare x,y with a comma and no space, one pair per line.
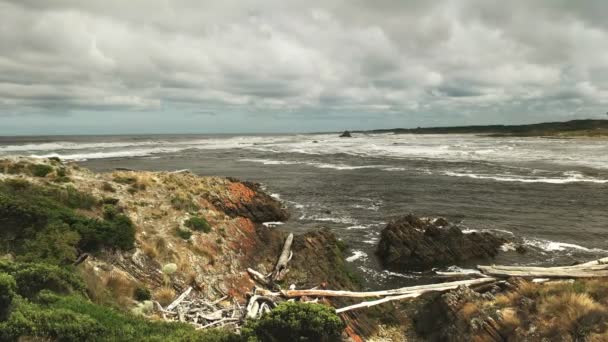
576,310
121,287
164,295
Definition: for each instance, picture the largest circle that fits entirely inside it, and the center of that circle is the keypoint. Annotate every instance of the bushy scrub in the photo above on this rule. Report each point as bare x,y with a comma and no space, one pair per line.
40,170
31,278
40,224
7,293
291,321
183,233
198,223
183,202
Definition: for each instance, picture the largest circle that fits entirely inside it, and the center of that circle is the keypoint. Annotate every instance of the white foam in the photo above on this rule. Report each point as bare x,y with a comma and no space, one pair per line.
552,246
341,219
469,231
270,161
357,255
507,247
272,224
570,177
357,227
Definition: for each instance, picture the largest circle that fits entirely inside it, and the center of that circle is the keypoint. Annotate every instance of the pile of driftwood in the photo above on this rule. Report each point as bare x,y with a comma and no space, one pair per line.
202,313
264,298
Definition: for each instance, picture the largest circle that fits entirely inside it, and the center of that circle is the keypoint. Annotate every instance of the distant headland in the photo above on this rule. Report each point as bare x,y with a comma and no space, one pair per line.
573,128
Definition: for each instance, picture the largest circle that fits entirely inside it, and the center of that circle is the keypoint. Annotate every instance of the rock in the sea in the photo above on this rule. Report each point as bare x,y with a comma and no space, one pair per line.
346,134
411,243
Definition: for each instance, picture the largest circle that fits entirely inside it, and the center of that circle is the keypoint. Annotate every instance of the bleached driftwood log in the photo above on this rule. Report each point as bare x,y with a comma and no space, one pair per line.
376,302
179,299
281,266
596,268
259,277
420,289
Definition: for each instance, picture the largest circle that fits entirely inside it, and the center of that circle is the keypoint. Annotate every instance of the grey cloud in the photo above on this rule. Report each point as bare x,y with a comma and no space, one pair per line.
445,60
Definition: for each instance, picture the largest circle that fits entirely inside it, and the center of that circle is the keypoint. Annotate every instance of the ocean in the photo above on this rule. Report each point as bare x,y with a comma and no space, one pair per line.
550,195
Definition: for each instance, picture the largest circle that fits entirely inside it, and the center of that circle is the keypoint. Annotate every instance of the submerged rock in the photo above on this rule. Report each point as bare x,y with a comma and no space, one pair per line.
346,134
411,243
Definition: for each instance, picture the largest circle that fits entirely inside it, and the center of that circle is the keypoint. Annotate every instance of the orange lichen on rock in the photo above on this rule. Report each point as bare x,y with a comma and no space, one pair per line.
239,191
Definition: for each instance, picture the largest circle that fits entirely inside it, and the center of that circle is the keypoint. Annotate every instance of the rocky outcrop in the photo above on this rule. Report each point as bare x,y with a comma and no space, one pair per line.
346,134
411,243
246,199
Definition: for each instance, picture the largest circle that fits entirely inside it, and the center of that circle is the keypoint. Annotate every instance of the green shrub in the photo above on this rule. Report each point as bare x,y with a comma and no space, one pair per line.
291,321
32,278
182,233
198,223
107,187
63,179
54,245
141,294
39,224
183,203
40,170
110,200
7,293
125,180
55,159
16,168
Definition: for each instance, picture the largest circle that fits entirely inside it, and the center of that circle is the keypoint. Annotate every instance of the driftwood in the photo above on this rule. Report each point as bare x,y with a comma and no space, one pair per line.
376,302
179,299
353,294
596,268
259,277
200,312
281,266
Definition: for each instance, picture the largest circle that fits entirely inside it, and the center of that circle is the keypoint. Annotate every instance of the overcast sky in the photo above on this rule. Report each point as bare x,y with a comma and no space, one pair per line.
143,66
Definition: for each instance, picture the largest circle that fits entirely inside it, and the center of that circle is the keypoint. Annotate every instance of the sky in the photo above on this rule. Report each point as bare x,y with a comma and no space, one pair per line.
191,66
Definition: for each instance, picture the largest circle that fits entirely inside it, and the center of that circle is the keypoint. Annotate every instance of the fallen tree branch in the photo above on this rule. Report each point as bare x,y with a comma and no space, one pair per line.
257,276
400,291
586,270
284,258
376,302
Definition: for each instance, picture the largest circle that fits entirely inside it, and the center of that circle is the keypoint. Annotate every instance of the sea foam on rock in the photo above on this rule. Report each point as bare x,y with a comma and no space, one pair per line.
413,243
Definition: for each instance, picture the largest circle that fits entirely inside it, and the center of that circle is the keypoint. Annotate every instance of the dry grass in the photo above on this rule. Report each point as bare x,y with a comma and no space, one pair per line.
149,249
96,287
510,320
564,311
469,310
164,295
121,287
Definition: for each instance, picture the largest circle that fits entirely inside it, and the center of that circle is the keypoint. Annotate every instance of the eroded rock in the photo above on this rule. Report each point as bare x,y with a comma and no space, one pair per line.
412,243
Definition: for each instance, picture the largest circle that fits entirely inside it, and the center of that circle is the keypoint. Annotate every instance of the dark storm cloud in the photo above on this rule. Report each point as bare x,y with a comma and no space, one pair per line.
445,60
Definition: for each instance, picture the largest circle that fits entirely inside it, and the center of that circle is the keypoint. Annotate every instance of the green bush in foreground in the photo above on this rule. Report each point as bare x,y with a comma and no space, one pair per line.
291,321
198,223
